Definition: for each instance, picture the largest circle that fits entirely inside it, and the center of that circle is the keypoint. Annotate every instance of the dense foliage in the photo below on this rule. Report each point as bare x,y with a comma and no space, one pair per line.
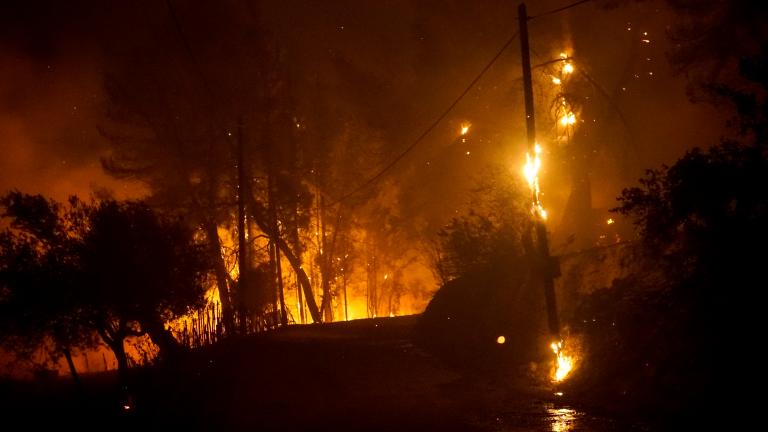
113,269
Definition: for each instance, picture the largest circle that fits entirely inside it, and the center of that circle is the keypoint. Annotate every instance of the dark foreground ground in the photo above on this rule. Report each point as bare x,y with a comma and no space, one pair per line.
362,375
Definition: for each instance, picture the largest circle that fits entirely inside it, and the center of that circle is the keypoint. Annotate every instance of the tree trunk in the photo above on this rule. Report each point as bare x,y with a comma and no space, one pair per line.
242,246
214,244
259,216
300,302
314,312
283,313
344,285
372,297
296,244
326,255
118,349
114,338
168,346
274,250
72,369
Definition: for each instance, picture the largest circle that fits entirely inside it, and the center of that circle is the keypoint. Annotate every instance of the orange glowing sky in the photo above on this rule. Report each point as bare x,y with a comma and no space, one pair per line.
392,65
51,105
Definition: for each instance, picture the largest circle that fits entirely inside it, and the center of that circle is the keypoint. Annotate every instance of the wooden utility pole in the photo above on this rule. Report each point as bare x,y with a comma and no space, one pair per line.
525,52
545,265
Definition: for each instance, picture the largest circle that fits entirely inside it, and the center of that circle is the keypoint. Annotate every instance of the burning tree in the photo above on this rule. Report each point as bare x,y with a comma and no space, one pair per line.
254,160
214,145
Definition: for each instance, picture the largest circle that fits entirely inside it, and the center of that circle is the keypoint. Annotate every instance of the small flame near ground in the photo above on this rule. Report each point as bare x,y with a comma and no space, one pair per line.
564,362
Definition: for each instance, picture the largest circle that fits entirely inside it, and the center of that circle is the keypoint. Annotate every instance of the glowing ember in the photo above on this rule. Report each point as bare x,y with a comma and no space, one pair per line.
501,339
564,364
556,80
568,68
465,128
609,221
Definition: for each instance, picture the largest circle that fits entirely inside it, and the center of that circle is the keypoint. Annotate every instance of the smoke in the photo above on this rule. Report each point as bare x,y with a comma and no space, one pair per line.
51,104
384,70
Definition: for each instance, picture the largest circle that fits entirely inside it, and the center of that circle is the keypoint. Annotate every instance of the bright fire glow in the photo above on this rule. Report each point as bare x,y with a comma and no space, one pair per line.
465,128
568,68
501,339
562,419
531,173
609,221
532,167
556,80
564,364
568,119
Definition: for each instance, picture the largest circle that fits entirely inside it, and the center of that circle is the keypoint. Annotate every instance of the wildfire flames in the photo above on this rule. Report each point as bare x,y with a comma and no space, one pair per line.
564,362
568,119
531,173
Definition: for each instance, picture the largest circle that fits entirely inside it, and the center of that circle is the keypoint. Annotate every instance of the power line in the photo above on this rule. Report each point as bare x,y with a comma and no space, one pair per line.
431,127
560,9
434,124
421,137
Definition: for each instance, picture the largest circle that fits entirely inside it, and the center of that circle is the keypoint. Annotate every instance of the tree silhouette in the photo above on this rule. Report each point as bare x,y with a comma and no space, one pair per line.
696,288
488,233
37,283
116,269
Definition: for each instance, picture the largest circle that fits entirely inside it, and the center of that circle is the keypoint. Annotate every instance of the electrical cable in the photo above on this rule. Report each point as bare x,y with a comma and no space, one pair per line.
430,128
